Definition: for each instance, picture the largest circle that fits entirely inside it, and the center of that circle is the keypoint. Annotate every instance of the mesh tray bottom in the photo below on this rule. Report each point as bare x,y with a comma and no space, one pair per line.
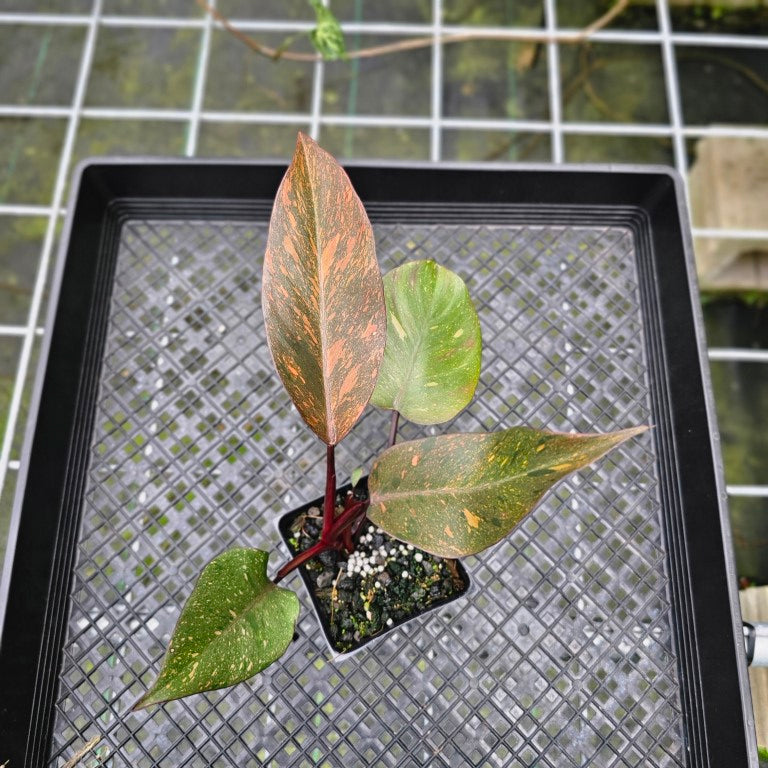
561,654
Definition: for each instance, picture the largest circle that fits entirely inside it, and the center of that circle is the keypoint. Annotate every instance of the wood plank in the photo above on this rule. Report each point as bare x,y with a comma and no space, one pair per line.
728,184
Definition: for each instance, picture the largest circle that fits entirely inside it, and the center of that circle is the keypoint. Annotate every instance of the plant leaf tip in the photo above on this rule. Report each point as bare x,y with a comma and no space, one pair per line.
142,703
303,140
634,431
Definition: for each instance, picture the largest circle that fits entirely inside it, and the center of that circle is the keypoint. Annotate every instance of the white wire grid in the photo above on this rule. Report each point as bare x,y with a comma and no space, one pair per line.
556,127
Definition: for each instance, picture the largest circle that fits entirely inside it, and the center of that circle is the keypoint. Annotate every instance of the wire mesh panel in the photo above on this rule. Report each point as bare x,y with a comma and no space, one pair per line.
561,653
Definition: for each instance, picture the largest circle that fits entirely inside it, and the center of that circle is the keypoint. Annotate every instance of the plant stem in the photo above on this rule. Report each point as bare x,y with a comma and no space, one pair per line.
300,559
357,525
338,536
336,531
348,516
393,428
329,506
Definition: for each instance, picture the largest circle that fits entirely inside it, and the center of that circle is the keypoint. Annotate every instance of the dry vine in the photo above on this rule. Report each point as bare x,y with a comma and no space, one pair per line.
419,42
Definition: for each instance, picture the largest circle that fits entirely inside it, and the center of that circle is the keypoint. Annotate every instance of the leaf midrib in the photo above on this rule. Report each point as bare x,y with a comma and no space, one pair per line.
408,371
451,489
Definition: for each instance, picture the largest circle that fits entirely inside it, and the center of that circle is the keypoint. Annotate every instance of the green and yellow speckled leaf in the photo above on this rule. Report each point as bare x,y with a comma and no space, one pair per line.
455,495
432,359
235,623
322,294
327,36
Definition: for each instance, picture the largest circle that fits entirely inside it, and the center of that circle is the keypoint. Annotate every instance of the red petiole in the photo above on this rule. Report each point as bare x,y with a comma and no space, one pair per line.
338,531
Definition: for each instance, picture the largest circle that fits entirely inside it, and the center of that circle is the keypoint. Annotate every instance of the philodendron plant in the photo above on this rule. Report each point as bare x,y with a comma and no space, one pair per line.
342,337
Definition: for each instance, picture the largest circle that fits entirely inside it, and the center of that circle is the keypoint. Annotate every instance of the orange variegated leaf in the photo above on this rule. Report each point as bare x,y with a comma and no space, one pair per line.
322,293
455,495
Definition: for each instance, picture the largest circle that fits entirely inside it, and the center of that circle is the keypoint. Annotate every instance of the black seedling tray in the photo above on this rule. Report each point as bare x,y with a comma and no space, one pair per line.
604,631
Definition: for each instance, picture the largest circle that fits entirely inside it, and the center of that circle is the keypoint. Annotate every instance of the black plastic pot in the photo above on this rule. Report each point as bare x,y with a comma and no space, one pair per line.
285,527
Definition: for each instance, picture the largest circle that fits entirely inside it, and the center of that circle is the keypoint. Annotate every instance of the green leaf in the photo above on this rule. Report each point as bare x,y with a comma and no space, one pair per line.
322,294
432,359
356,476
327,36
455,495
235,623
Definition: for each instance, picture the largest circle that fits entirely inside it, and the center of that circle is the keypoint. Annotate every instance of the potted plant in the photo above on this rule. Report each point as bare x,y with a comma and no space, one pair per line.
342,337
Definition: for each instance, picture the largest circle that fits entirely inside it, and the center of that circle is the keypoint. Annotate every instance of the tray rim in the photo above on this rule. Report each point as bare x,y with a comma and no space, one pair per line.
145,164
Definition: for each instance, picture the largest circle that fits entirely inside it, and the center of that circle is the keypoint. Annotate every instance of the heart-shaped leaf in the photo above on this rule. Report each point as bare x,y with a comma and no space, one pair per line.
235,623
322,294
455,495
432,359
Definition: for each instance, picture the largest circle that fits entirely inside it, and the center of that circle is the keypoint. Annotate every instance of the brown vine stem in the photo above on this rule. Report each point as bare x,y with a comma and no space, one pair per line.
589,89
418,42
726,61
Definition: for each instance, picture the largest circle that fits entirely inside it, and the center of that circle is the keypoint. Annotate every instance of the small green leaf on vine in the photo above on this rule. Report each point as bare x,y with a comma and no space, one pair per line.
327,36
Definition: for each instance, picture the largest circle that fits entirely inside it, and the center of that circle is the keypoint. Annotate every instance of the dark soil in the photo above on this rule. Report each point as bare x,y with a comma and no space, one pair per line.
391,583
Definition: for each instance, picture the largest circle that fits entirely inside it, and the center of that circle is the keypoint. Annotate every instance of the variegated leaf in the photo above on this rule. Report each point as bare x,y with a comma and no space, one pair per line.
455,495
432,359
327,36
322,294
235,623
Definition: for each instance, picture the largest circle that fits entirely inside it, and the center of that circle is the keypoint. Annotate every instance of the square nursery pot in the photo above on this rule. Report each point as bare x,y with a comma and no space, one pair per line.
411,583
604,631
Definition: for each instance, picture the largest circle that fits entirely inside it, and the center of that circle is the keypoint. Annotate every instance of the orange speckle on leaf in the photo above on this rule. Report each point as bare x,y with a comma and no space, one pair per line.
290,249
329,255
415,460
334,353
370,330
448,531
348,384
472,520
